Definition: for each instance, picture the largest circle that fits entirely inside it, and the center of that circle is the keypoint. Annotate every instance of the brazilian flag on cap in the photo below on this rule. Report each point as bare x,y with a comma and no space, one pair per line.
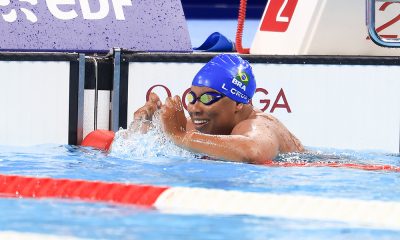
230,75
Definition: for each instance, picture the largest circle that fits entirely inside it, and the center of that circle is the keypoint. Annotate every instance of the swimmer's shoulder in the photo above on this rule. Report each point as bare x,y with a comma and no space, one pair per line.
287,141
265,124
262,116
256,121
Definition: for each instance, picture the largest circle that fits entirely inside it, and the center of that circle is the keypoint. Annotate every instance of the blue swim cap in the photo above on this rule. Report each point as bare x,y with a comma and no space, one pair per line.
230,75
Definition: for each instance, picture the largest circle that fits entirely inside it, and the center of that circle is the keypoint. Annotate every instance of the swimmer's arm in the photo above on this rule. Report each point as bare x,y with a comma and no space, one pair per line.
247,147
250,141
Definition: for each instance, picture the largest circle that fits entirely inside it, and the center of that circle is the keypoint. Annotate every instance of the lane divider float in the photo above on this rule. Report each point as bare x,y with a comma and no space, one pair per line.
184,200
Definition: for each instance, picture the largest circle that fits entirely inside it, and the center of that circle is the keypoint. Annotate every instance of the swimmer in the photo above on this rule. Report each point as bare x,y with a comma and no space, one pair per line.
222,123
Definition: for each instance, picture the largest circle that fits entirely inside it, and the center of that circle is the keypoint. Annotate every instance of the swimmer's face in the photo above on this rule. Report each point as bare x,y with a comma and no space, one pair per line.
217,118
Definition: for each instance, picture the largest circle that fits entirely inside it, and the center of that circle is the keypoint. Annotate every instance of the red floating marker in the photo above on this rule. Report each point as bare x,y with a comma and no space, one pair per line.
34,187
100,139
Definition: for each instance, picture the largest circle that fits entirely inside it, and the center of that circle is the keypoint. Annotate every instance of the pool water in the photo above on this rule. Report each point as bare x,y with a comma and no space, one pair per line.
152,159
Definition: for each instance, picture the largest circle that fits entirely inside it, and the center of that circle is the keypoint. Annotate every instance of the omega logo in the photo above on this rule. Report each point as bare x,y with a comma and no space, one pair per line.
264,104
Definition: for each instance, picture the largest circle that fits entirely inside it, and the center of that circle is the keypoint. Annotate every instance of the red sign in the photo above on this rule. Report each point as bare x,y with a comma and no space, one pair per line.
278,15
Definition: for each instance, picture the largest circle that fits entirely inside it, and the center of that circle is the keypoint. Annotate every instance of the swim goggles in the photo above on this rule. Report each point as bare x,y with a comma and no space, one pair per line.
206,98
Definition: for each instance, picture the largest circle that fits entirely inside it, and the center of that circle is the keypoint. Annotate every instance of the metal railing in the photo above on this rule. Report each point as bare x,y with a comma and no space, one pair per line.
370,21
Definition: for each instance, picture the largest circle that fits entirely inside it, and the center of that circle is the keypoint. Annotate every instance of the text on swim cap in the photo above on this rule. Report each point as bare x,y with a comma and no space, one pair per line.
241,80
239,84
234,91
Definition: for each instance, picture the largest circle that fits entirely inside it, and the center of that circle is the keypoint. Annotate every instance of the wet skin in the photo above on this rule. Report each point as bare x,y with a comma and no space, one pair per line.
225,129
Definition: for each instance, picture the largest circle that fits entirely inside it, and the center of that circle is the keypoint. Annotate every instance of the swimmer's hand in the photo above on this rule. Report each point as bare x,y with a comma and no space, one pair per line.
143,116
147,111
173,118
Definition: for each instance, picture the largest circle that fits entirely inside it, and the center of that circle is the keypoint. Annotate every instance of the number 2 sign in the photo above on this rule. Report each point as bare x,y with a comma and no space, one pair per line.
387,24
278,15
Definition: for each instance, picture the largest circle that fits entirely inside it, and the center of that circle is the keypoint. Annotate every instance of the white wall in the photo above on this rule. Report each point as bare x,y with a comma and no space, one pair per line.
34,102
103,110
338,106
355,107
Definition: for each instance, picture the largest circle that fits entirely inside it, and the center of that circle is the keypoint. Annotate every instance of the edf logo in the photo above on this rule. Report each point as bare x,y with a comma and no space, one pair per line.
66,10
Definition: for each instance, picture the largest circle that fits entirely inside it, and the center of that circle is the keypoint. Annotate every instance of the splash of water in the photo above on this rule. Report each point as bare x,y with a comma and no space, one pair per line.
131,143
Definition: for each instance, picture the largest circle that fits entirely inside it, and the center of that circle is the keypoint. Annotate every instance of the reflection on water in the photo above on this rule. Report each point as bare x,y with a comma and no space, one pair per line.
322,155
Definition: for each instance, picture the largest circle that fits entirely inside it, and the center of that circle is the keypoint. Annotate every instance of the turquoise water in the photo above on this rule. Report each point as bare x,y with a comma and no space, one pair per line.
152,159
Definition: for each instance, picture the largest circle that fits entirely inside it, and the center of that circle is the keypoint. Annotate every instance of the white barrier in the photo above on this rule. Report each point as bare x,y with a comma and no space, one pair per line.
34,102
338,106
103,111
360,213
325,105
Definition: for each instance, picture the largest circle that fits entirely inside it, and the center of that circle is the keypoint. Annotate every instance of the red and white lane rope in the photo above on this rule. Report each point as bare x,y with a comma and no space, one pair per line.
183,200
